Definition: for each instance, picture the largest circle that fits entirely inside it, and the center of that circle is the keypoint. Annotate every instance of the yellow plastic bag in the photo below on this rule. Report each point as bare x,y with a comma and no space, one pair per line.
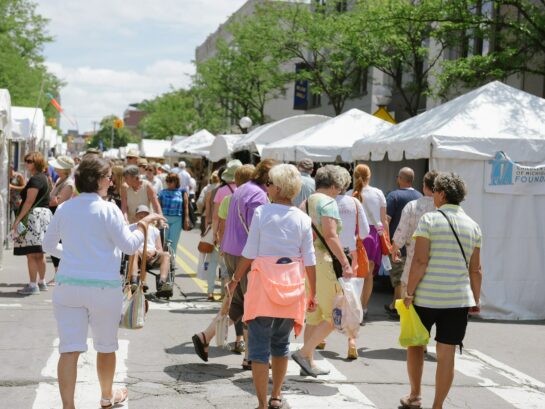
413,332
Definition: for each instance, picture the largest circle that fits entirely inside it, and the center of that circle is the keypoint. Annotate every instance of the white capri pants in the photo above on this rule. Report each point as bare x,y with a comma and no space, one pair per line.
77,307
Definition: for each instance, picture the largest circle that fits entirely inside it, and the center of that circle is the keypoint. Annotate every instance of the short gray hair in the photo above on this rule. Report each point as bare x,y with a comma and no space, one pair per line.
328,176
287,178
347,178
131,170
453,185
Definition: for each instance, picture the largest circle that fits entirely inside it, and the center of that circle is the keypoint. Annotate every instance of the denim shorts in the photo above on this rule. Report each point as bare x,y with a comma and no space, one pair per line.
269,336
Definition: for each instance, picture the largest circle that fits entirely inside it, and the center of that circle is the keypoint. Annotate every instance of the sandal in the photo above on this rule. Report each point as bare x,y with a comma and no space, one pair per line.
409,402
279,400
200,346
246,364
119,395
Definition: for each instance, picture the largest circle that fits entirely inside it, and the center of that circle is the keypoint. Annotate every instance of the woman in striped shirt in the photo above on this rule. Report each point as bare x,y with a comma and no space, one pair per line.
444,283
175,206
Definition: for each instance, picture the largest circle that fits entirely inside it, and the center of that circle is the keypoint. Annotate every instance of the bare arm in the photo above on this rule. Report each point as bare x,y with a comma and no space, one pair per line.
221,230
215,220
31,196
418,267
476,277
384,218
22,183
242,268
124,206
329,228
152,197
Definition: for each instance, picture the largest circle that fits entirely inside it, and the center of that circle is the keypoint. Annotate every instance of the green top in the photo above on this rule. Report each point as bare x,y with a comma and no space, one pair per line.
224,207
82,282
321,205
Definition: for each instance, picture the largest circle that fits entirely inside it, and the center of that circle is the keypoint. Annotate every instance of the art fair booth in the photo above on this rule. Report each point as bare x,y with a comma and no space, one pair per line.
222,147
494,137
5,135
329,141
28,130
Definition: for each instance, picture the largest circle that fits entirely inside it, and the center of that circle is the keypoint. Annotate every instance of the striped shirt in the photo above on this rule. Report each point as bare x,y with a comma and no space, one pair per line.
446,281
172,201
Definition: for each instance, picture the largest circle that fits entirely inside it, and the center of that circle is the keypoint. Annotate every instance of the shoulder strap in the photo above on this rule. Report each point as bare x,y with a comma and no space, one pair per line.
368,211
319,234
357,218
242,219
455,235
144,256
230,188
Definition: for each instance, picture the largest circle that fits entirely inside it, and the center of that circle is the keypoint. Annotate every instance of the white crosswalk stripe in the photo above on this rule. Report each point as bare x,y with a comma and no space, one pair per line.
87,387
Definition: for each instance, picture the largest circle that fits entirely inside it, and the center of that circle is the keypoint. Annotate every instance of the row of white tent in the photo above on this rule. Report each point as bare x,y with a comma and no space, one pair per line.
464,136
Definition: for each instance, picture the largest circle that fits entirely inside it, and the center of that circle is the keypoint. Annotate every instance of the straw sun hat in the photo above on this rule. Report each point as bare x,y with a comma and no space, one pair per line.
62,162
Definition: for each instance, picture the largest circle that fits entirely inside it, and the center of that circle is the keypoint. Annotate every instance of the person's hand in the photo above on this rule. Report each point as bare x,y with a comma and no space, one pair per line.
14,229
54,201
152,218
347,271
396,256
408,300
231,287
476,310
312,304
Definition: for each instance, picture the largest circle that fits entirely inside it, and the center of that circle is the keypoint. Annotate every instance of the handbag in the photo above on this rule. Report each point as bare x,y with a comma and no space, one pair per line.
189,213
206,245
385,243
135,305
337,267
222,321
361,254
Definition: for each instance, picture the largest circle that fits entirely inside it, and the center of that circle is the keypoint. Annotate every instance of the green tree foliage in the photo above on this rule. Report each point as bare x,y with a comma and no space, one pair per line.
122,136
246,72
22,38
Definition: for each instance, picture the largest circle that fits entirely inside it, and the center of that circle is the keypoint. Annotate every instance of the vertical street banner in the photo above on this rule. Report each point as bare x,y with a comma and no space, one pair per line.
300,95
503,175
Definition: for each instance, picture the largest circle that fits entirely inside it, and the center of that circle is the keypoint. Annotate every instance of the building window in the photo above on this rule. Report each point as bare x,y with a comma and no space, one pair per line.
315,100
359,84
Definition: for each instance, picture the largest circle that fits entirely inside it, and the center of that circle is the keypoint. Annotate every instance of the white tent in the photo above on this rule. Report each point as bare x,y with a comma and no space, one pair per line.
274,131
463,136
154,148
222,147
29,124
197,144
327,140
112,153
5,134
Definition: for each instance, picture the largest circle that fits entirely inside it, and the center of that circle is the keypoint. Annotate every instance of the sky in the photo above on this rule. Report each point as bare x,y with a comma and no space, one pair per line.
112,53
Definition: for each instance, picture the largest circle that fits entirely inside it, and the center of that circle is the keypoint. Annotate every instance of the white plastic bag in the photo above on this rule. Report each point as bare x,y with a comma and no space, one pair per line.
202,266
347,310
222,321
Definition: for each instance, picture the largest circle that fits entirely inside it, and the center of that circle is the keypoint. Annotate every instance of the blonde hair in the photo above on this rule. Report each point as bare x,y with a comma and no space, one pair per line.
117,176
287,178
362,176
243,174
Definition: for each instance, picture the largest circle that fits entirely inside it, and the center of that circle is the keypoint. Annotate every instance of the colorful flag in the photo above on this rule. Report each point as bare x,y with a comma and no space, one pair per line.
54,102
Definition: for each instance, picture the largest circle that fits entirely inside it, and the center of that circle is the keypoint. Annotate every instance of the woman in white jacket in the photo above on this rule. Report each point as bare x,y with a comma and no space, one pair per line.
88,291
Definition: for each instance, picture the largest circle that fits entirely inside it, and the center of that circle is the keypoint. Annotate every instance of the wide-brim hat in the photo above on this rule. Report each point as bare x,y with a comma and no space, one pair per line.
132,153
165,167
229,175
142,209
142,162
62,162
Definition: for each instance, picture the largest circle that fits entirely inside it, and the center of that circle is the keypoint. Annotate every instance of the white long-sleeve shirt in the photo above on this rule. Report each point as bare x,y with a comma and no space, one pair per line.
93,234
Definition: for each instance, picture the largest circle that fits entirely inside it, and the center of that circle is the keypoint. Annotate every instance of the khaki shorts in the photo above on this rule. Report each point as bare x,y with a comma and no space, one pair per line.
397,271
236,310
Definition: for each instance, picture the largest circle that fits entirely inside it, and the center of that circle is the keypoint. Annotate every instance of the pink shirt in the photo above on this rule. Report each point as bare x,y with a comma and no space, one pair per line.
224,191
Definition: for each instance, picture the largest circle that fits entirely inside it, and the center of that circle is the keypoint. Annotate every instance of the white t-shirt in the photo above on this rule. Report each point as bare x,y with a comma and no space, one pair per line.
280,231
375,200
347,210
185,179
153,233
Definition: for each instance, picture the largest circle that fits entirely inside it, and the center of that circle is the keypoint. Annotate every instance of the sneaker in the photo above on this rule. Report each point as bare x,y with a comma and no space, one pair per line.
28,290
304,363
239,347
316,369
42,286
164,289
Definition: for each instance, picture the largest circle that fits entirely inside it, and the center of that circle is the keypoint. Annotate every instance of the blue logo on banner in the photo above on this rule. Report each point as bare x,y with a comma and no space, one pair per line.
502,170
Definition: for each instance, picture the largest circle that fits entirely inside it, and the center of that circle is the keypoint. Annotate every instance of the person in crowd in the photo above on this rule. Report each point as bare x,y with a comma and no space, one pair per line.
410,216
174,202
350,210
305,167
156,256
322,209
184,175
132,157
136,192
395,202
88,291
245,200
162,172
443,291
62,191
374,205
31,223
153,178
17,183
175,168
114,191
213,182
142,164
279,250
227,187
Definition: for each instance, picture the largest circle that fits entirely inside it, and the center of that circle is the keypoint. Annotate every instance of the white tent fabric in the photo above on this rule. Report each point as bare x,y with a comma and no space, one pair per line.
327,140
274,131
222,147
5,134
29,123
470,126
197,144
112,153
461,136
154,148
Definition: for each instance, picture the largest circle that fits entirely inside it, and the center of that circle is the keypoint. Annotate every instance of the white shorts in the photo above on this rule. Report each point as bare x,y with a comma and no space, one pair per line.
76,308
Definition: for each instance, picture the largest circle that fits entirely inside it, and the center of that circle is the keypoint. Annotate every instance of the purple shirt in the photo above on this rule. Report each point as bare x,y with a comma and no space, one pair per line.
244,201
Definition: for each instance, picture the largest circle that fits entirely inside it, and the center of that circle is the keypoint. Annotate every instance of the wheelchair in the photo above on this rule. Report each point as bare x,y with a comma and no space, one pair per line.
153,269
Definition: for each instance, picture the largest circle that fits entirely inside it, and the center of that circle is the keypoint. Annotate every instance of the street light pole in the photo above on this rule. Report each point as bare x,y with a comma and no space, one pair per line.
113,126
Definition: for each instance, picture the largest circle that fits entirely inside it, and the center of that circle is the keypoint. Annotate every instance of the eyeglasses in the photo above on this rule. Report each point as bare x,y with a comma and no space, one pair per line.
29,161
269,183
142,166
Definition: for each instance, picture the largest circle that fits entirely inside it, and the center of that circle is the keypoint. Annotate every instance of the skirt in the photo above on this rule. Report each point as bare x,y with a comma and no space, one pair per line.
372,246
31,240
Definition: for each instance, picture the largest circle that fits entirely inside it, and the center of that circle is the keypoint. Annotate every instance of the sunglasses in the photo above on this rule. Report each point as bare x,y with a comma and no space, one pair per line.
29,161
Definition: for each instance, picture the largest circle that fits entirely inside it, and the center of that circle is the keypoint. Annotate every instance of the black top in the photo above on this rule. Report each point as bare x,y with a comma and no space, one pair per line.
38,181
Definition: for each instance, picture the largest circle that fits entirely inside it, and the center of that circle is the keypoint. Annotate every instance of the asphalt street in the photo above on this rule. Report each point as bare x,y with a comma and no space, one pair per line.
502,366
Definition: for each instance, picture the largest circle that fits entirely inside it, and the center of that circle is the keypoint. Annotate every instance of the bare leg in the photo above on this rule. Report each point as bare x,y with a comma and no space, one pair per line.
32,268
318,334
40,263
163,268
444,374
279,369
67,372
105,371
260,373
367,286
415,366
397,294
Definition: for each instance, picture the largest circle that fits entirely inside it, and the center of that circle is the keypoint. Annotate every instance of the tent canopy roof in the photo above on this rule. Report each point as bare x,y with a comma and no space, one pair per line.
473,126
5,112
25,118
154,148
328,140
222,147
274,131
197,144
